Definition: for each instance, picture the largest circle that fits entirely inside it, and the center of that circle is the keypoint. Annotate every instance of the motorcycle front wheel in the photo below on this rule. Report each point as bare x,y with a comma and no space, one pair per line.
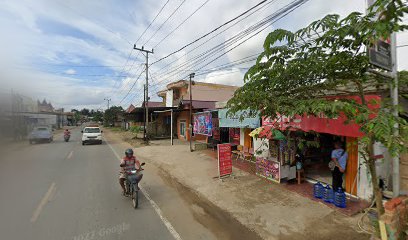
135,197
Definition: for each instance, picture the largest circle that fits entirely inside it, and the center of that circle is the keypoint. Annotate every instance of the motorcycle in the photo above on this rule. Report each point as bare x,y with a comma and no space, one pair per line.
131,186
66,137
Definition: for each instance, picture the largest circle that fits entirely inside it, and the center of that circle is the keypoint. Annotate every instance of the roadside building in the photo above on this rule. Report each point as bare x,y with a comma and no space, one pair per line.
283,153
204,97
159,121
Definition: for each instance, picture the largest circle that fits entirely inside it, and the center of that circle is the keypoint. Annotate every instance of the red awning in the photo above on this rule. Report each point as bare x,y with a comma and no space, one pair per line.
306,123
266,132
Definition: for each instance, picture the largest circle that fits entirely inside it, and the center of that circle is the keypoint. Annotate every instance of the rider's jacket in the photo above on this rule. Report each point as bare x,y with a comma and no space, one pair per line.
129,164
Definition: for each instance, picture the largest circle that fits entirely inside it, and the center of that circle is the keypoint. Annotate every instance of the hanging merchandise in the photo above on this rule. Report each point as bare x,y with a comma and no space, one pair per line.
274,149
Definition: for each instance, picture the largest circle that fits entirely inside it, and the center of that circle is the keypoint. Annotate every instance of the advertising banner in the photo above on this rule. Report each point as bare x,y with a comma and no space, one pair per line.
224,159
268,169
241,119
203,123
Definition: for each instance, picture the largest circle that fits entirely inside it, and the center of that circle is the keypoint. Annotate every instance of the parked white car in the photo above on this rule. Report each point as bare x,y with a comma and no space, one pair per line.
91,134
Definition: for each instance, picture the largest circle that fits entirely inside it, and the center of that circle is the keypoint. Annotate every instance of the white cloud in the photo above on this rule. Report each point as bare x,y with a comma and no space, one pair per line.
229,77
99,32
70,71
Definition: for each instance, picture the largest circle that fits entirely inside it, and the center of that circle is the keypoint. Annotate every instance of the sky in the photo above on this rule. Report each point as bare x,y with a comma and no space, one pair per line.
77,53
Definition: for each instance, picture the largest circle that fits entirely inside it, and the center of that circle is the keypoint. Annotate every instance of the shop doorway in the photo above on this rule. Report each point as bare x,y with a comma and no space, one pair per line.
224,135
316,159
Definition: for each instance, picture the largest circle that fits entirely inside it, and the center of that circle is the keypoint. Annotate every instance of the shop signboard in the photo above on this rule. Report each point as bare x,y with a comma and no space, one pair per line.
379,52
203,123
321,124
268,169
241,119
224,159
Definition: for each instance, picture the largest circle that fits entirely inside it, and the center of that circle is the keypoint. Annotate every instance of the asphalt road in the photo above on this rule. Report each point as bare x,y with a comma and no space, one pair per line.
65,190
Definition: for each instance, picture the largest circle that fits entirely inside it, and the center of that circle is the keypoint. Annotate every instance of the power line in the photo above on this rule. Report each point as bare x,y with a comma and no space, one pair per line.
212,31
84,16
168,18
154,19
239,36
264,7
131,51
281,13
131,87
185,20
249,58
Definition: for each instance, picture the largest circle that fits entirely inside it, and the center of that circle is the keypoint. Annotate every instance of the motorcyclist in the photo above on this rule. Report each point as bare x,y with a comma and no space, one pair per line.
67,132
128,164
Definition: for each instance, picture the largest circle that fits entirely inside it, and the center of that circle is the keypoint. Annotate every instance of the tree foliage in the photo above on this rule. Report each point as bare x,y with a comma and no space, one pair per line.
111,114
97,116
297,71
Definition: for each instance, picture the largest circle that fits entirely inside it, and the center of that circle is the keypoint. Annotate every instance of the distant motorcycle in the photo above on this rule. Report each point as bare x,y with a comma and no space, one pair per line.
66,137
131,186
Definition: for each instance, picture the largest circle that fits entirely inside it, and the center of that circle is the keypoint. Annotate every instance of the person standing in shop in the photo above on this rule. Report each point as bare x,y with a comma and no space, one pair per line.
339,157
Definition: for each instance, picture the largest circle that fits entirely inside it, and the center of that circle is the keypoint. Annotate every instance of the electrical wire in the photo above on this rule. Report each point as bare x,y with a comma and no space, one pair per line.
212,31
264,7
102,26
171,15
266,22
131,87
226,43
154,19
184,21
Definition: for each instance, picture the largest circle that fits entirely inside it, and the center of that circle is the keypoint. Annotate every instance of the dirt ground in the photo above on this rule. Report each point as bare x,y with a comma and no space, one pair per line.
251,207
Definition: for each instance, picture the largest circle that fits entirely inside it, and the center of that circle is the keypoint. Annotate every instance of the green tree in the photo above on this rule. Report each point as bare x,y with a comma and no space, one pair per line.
77,115
298,69
111,114
85,112
97,116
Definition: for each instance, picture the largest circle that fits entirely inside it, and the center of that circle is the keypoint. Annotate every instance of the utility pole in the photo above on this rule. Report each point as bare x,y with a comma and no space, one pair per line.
144,112
394,97
147,87
191,112
393,74
108,100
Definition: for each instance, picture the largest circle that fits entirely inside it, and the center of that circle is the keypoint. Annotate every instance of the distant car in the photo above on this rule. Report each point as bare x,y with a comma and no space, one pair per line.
91,134
40,134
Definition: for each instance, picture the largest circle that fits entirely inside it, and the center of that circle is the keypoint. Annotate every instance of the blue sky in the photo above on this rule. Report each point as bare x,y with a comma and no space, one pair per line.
73,52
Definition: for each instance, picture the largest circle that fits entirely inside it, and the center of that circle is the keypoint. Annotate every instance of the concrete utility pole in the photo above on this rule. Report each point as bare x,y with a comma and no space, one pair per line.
144,112
394,97
191,112
108,100
147,86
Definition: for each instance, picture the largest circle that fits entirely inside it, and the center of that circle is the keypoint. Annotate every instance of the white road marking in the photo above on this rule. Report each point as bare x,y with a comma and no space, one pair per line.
43,202
154,205
70,154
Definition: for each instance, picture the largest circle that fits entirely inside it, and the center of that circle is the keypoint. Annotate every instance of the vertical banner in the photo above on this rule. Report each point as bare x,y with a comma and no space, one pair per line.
224,159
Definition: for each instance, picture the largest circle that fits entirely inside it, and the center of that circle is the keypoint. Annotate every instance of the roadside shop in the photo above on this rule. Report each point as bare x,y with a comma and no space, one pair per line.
238,126
310,140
